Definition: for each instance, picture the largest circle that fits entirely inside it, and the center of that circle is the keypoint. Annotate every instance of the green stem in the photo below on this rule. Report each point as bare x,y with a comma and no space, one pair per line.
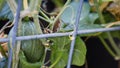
107,47
44,19
112,42
34,6
64,7
13,55
17,47
31,6
36,21
99,12
56,61
44,15
44,58
16,50
13,6
17,53
25,4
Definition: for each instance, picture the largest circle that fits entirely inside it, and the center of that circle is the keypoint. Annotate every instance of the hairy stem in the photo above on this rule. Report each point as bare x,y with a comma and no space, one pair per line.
34,6
36,21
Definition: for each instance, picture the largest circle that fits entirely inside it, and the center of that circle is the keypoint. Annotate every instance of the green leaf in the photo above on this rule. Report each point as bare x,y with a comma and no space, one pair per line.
89,26
2,2
70,13
68,16
79,52
87,19
59,55
59,58
6,12
92,18
59,42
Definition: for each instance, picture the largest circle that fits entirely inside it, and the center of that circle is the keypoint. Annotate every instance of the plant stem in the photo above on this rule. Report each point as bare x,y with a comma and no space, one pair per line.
44,19
31,6
64,7
44,15
99,12
112,42
107,47
25,4
34,6
17,47
36,21
17,53
44,56
13,6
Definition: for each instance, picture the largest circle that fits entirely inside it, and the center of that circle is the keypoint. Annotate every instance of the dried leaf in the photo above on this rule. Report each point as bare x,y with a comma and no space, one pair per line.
3,44
114,9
